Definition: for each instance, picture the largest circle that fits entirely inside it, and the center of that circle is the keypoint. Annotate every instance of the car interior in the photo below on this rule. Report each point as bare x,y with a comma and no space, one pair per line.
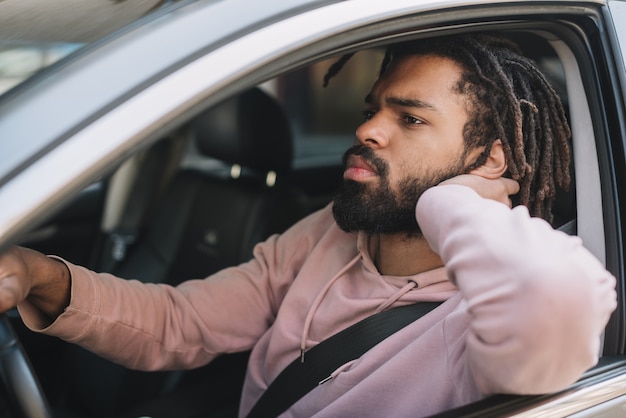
199,199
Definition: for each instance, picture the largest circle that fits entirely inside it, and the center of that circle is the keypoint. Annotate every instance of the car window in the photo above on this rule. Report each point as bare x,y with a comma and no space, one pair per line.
20,60
36,34
324,118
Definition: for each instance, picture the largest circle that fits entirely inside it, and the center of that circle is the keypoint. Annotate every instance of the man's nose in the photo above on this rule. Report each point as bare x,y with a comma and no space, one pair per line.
373,132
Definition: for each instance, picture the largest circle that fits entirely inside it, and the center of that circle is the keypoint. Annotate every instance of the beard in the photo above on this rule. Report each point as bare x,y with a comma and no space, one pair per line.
378,209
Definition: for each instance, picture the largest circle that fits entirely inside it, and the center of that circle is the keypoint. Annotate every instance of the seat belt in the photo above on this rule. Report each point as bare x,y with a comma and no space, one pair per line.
300,377
125,214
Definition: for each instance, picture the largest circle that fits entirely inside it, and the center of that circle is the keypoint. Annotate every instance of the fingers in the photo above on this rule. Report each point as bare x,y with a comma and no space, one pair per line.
499,189
14,286
511,186
12,292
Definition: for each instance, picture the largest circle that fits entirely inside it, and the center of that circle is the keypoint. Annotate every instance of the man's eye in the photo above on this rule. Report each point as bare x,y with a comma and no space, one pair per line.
368,114
411,120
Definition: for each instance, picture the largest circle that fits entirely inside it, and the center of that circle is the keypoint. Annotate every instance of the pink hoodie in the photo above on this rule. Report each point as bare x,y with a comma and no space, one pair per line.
525,308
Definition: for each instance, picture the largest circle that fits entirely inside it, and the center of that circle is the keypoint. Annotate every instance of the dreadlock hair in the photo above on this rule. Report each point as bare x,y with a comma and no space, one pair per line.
508,98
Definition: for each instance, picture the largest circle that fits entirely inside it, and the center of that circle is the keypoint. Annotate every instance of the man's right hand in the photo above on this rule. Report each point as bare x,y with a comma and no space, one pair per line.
28,275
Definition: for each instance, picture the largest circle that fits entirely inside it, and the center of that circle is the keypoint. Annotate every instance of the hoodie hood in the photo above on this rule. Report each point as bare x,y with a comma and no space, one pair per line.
433,281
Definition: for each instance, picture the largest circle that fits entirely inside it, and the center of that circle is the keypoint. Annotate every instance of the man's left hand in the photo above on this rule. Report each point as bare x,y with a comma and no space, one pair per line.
499,189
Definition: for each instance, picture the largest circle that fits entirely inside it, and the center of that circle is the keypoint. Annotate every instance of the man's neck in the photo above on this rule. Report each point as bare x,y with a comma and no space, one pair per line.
399,255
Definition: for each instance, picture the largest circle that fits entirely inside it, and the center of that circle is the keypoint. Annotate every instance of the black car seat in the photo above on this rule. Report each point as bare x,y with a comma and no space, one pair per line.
211,220
206,220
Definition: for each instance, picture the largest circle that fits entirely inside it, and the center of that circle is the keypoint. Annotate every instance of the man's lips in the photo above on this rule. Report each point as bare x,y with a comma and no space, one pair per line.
358,169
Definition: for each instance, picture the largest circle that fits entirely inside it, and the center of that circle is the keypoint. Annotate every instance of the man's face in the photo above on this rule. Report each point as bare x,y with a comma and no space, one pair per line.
411,140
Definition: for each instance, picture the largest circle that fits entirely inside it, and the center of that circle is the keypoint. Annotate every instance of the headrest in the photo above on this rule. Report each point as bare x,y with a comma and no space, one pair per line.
250,129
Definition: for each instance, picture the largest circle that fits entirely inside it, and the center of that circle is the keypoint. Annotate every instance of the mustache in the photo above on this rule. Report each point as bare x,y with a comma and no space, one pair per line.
369,156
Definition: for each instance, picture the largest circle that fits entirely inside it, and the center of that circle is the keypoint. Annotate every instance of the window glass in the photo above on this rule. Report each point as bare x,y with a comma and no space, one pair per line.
324,118
21,60
35,34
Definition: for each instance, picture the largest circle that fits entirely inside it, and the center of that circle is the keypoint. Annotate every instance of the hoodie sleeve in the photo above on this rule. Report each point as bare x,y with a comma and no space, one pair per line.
158,327
538,300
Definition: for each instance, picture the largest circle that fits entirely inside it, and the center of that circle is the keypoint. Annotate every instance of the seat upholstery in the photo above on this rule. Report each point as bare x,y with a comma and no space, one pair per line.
204,221
209,221
250,129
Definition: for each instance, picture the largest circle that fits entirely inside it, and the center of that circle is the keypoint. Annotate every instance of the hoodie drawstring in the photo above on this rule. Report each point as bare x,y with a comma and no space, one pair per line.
318,300
401,292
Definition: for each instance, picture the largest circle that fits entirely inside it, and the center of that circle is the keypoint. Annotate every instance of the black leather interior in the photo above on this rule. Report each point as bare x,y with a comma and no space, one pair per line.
206,222
202,223
250,129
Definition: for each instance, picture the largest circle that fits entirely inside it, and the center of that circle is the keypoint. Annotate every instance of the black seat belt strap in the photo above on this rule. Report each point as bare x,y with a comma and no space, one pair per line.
155,169
297,379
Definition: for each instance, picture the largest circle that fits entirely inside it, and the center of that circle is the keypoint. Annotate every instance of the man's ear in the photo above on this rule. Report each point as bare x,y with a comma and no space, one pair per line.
495,165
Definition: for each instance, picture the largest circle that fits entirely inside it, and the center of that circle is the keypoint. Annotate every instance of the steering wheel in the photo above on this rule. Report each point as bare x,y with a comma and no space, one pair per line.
26,398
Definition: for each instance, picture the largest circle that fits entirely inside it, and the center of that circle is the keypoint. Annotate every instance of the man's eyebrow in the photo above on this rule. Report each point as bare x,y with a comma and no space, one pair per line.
404,102
399,101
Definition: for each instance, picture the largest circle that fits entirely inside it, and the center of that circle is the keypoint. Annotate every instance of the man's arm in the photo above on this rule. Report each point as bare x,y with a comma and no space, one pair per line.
28,275
139,325
156,326
538,299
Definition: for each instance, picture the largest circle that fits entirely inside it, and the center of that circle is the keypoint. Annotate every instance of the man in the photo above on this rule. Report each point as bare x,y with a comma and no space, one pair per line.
453,128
